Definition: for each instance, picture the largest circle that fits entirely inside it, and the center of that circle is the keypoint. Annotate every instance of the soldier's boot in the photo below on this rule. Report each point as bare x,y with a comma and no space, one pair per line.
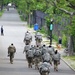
11,62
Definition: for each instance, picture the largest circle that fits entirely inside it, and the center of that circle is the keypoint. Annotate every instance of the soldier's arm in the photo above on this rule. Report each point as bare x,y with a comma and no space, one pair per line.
14,49
24,50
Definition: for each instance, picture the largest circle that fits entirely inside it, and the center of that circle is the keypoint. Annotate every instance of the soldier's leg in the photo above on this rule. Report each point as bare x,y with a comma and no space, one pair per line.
12,56
11,60
33,61
57,66
29,62
54,65
37,62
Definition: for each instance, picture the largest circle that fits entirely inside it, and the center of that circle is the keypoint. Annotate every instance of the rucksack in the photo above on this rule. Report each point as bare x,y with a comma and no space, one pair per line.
46,57
56,57
27,47
11,49
30,53
44,49
44,69
37,53
27,37
39,37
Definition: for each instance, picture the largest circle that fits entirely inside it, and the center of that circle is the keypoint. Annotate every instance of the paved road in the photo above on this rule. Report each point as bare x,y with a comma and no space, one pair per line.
14,30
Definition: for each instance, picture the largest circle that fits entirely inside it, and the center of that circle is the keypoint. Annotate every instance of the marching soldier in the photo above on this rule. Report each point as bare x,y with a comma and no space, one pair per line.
27,38
26,48
37,55
56,59
11,51
30,58
38,39
50,51
44,68
47,58
44,49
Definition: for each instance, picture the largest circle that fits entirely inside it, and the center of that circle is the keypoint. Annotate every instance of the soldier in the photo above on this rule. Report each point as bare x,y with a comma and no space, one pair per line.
37,55
51,50
56,59
27,38
26,48
44,68
11,51
38,39
30,58
47,58
44,49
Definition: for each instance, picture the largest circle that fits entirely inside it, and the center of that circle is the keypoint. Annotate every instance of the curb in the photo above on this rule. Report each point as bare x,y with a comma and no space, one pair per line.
68,64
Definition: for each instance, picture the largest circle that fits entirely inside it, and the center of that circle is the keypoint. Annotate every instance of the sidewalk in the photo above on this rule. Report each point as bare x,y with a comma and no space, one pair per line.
47,41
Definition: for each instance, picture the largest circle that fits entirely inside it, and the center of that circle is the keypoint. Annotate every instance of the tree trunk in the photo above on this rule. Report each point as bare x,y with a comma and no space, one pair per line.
70,46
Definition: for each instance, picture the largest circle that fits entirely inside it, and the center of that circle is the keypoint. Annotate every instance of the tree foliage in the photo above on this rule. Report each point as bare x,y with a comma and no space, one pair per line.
51,7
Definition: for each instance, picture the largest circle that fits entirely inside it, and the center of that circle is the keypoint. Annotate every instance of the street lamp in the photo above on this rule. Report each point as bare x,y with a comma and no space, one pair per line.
51,28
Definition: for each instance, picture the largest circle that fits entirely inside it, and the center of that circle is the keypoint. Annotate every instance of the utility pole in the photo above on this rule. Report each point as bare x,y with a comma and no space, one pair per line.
51,28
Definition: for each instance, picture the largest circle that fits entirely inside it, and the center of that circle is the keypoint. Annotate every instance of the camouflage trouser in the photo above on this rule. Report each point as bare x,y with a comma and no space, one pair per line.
27,42
56,63
36,62
26,57
11,57
30,61
38,43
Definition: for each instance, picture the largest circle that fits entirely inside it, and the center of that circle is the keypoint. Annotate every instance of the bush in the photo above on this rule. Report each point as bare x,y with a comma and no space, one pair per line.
44,31
1,12
55,37
64,40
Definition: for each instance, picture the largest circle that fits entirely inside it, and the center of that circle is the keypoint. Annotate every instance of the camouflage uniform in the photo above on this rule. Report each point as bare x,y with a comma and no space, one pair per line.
44,49
44,68
47,58
11,51
56,59
38,39
37,55
51,51
27,38
26,48
30,58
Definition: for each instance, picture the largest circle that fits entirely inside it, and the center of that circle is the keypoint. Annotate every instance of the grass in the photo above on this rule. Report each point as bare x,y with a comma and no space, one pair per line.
1,12
70,57
70,60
